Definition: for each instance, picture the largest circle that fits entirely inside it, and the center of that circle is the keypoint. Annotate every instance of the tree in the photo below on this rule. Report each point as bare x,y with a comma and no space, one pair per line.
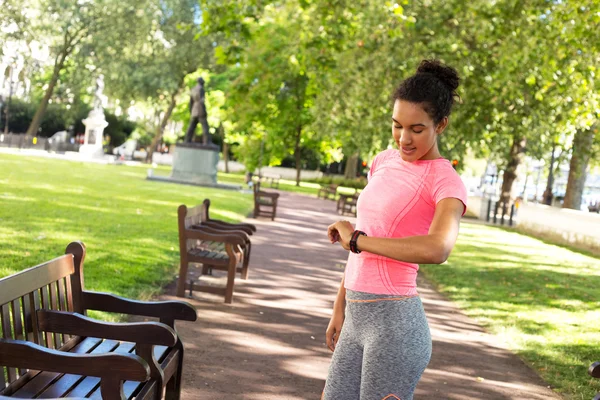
582,150
274,91
154,71
68,29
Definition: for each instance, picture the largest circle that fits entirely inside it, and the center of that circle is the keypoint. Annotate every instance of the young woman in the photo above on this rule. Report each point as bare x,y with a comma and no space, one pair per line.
408,214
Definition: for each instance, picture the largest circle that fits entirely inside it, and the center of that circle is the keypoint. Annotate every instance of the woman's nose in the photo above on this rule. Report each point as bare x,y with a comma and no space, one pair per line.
405,138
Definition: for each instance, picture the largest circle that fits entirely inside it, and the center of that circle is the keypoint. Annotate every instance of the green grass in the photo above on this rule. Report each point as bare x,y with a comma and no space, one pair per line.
128,224
542,300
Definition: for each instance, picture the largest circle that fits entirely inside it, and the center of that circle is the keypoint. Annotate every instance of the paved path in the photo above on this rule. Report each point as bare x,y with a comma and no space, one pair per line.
269,345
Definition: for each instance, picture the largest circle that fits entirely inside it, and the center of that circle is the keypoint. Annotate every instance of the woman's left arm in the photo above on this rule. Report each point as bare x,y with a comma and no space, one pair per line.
433,248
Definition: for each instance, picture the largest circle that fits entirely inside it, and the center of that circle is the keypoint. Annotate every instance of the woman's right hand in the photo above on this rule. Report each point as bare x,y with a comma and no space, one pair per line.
334,329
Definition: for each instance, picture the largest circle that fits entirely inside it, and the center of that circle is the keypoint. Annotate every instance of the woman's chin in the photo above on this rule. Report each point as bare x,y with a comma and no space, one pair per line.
410,157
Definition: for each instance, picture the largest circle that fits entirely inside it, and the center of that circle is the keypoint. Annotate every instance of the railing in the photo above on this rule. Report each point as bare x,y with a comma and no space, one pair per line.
23,141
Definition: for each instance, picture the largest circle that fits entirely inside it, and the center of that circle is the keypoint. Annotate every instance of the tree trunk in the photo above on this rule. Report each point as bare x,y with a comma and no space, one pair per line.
225,148
298,155
351,166
582,144
161,128
548,195
39,114
510,173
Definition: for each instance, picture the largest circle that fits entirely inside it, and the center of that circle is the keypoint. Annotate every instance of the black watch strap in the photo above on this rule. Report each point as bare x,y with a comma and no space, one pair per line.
353,239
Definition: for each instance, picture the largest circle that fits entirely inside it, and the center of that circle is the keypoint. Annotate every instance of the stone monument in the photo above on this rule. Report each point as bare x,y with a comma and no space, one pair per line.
196,161
95,124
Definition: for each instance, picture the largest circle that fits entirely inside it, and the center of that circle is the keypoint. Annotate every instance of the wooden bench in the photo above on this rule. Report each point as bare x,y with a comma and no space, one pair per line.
273,180
215,223
265,203
215,226
346,203
51,349
214,249
328,191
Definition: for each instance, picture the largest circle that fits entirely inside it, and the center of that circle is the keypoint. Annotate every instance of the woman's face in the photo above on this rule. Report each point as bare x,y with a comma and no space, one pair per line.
414,131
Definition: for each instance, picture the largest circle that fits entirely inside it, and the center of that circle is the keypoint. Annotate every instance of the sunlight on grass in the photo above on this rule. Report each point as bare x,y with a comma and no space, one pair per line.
128,224
541,300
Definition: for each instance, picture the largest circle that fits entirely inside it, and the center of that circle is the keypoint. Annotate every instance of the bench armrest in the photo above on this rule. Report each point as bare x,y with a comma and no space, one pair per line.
260,193
153,333
21,354
248,228
594,370
200,234
165,310
221,231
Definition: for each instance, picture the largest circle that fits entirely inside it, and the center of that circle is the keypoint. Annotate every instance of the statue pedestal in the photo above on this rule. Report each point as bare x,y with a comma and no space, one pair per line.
94,128
195,163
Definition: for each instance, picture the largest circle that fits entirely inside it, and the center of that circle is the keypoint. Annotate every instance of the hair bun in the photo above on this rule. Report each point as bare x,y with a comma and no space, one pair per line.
444,73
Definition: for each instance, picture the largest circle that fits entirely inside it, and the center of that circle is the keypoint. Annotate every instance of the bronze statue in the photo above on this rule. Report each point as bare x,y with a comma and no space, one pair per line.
198,114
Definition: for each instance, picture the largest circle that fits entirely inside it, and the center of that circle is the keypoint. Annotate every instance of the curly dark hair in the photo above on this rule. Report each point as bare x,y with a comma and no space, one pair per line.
434,86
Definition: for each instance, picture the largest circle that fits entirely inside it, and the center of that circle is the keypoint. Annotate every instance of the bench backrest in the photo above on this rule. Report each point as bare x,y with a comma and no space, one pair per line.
54,285
186,218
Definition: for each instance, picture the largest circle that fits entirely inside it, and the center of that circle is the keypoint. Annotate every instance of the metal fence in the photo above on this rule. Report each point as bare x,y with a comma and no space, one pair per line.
23,141
500,212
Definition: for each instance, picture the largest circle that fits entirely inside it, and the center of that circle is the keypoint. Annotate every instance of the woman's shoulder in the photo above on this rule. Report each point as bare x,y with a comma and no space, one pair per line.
386,155
443,174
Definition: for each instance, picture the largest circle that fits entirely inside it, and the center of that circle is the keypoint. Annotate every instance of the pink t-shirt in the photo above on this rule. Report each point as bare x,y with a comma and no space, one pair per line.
398,201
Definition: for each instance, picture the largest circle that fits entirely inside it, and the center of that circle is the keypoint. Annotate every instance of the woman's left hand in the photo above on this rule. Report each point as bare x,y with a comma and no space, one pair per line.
341,231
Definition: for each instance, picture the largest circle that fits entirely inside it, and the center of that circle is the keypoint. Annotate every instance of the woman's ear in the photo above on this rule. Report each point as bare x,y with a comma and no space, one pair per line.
441,126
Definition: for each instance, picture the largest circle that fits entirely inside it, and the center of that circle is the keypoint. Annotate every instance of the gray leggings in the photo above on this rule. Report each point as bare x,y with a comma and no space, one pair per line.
384,347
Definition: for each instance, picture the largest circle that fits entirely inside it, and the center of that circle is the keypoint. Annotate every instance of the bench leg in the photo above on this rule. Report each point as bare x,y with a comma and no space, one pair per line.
256,210
230,280
173,389
246,261
183,270
206,269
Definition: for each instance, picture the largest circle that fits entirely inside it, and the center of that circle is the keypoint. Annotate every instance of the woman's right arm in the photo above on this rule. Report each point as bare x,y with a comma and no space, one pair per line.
337,318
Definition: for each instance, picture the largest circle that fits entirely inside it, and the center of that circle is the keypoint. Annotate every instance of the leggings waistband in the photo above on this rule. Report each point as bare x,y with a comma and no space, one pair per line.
362,297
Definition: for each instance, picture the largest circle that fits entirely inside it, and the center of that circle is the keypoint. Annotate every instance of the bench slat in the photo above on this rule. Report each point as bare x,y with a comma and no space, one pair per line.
17,324
132,388
90,383
2,380
46,306
66,382
42,380
54,306
31,279
7,334
129,387
62,304
69,294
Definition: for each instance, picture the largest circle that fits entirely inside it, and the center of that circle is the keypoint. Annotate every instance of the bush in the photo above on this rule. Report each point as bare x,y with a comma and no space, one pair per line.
58,118
358,183
20,115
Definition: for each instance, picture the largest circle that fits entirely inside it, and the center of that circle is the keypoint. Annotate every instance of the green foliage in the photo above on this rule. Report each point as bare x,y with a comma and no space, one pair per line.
358,183
58,118
119,128
20,114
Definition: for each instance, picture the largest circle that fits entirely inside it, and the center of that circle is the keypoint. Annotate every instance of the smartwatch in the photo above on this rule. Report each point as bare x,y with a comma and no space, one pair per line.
353,240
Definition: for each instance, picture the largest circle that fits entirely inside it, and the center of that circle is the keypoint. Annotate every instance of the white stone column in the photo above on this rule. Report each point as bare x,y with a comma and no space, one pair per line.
94,134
